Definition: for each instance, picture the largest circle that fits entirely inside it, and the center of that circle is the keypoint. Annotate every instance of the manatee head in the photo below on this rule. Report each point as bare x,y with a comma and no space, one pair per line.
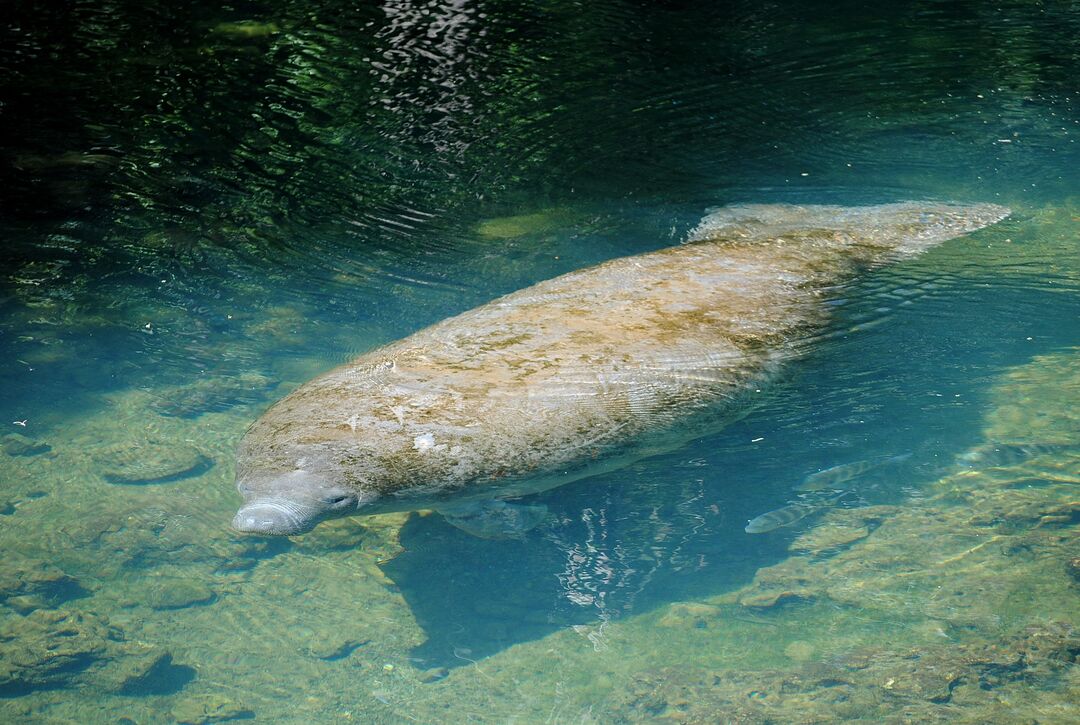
291,503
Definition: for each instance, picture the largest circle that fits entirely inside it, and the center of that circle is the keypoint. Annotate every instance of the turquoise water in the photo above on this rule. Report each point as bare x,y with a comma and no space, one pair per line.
205,207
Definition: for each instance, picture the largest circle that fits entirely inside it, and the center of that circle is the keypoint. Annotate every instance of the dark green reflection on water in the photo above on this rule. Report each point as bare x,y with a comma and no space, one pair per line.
191,156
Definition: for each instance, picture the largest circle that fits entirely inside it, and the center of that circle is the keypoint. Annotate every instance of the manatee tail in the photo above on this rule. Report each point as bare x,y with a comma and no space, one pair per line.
868,234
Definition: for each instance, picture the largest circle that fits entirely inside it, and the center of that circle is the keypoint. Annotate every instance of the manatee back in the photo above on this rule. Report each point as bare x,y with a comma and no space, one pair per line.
872,234
573,367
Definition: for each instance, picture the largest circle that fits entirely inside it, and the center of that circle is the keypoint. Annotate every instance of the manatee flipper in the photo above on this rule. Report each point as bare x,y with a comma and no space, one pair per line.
494,519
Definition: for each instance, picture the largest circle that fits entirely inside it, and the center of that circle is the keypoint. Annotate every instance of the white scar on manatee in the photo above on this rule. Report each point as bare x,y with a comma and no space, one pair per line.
576,375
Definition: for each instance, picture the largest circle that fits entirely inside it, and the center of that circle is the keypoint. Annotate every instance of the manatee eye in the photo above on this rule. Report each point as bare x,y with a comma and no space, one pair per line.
337,500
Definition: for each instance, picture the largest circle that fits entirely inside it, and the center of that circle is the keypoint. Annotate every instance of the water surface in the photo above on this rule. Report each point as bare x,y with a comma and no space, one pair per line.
205,206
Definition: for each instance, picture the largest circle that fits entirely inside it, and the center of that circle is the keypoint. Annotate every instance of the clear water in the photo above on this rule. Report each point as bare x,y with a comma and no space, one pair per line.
205,206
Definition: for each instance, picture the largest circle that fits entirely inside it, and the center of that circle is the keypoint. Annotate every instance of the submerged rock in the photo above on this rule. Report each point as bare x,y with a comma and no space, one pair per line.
151,461
29,584
16,444
434,674
210,708
211,394
155,675
689,615
519,225
48,648
334,650
177,593
947,682
1073,568
829,537
246,29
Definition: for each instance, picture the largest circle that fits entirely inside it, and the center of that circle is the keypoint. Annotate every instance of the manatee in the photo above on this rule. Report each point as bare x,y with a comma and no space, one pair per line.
576,375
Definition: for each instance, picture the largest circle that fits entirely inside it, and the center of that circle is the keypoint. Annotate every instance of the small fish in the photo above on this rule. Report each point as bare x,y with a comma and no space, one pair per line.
993,455
787,515
20,422
833,477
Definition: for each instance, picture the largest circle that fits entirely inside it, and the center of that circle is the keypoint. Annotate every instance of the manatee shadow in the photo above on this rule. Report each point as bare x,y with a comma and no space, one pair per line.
474,597
612,546
671,528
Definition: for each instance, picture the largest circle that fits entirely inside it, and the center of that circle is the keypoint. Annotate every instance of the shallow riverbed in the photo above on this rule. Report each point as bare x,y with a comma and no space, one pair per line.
205,207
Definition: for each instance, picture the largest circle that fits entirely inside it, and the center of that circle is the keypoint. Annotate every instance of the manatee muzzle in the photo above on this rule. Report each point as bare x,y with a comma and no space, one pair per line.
276,516
291,503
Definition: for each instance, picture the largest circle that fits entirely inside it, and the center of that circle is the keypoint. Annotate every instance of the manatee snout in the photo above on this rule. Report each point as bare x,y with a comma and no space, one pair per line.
291,504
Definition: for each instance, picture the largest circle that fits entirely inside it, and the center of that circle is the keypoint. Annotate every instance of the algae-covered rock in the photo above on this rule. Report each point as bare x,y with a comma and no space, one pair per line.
433,674
209,394
335,649
178,593
150,460
829,537
946,682
155,675
689,615
1037,403
1073,568
210,708
799,650
965,553
49,648
246,29
518,225
17,444
29,584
